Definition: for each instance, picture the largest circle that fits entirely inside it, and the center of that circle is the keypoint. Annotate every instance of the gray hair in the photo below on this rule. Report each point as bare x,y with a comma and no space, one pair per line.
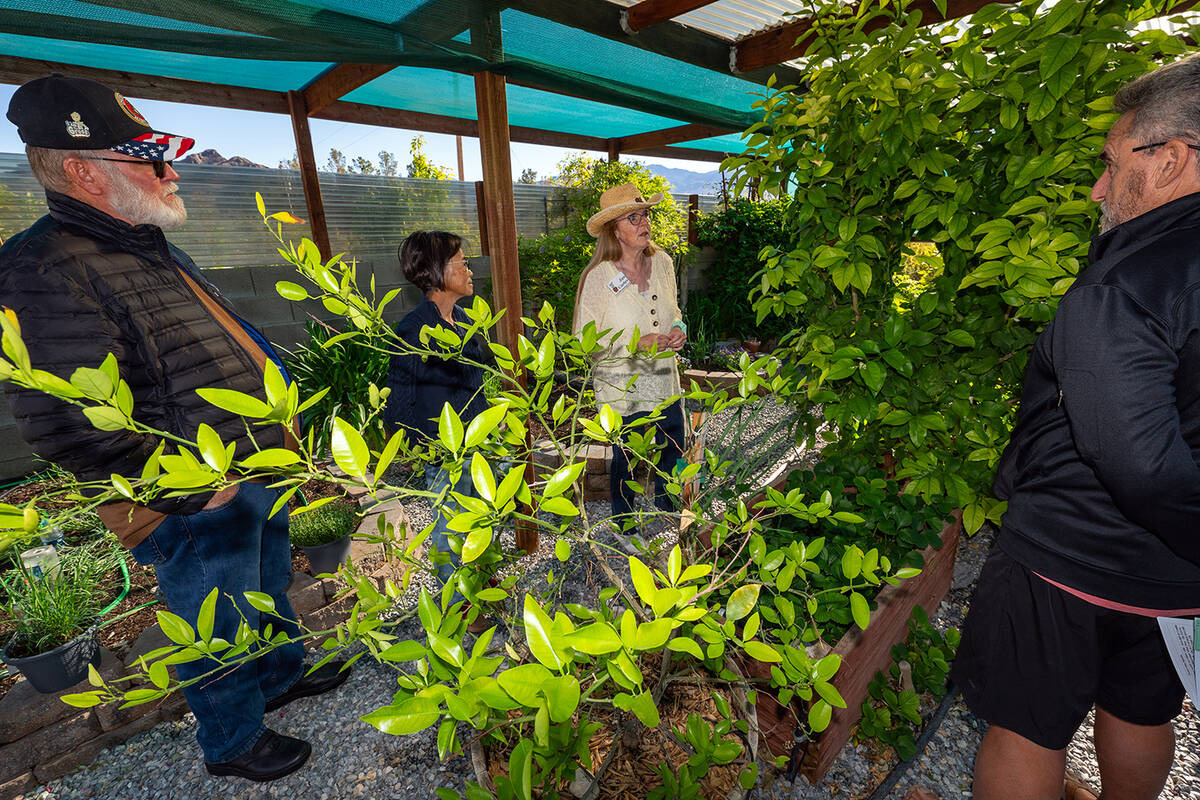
1165,103
47,166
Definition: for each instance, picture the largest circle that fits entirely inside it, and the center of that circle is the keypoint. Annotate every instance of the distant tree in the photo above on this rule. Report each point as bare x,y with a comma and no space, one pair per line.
388,165
528,176
575,170
291,163
363,165
421,166
337,162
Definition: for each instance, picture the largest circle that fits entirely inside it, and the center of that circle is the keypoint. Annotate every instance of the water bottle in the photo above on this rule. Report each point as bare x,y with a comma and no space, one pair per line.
41,563
50,535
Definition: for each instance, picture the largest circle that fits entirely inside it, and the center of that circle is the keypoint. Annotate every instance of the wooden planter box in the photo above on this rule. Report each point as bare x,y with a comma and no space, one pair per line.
866,652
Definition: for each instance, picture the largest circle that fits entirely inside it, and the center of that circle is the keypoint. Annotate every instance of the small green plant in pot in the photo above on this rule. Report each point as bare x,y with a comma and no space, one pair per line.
323,533
53,617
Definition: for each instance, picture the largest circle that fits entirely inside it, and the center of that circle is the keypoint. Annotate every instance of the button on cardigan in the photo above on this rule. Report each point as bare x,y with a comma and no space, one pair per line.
653,379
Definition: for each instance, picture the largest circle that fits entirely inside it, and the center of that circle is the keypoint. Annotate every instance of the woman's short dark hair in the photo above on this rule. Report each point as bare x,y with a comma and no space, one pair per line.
423,256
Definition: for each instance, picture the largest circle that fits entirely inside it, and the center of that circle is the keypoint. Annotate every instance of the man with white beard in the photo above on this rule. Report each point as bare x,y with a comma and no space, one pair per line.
96,276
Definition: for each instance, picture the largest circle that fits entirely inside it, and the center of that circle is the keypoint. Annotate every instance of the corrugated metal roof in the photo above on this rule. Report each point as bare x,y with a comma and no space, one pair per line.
733,19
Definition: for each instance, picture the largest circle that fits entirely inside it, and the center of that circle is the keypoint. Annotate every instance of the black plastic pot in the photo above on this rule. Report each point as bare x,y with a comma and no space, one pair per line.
57,669
328,557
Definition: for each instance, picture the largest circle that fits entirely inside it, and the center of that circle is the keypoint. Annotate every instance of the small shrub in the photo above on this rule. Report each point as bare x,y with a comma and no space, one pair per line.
45,613
323,525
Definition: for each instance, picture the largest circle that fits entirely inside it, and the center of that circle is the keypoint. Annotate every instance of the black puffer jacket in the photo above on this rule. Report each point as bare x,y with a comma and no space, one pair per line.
1102,475
84,285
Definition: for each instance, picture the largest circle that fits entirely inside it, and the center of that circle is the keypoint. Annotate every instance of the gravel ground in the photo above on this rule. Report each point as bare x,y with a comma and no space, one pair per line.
352,759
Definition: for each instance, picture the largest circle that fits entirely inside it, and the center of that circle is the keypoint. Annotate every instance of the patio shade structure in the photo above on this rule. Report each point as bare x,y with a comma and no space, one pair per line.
604,75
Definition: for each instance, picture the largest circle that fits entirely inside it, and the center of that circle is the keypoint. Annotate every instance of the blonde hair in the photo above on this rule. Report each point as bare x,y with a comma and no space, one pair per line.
607,249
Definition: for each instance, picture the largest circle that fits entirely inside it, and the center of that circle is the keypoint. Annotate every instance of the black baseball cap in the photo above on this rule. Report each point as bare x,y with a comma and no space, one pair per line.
62,113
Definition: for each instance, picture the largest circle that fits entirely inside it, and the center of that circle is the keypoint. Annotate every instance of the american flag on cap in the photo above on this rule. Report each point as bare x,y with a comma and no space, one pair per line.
155,146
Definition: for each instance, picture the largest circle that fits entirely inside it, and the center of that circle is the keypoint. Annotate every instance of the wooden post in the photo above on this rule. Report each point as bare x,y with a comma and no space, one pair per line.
308,173
462,173
614,150
491,108
481,215
693,214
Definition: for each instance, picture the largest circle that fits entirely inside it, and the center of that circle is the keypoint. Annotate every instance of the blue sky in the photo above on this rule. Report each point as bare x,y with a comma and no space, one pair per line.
267,139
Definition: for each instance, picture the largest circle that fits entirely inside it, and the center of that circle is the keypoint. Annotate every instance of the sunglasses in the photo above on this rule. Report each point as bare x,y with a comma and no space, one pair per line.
160,167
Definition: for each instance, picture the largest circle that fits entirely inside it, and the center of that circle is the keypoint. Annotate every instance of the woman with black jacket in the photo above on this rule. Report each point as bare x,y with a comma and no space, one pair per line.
420,387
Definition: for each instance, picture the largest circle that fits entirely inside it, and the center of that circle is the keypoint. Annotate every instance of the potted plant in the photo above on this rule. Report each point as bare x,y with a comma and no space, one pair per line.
323,533
53,617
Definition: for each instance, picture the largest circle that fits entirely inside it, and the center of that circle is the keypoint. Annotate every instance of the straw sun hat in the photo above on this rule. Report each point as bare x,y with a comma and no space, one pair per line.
617,202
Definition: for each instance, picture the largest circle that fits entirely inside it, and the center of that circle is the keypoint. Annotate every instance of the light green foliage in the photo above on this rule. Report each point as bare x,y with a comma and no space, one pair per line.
421,167
536,688
551,263
323,524
981,139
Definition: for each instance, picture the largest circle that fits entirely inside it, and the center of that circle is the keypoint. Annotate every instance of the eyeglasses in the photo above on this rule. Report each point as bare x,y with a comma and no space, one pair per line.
636,217
160,167
1160,144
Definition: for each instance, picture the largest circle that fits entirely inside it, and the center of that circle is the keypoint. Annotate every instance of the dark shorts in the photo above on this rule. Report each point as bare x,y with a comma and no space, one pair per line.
1035,659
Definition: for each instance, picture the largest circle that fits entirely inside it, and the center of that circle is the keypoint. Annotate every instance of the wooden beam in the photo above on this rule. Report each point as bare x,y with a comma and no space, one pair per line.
308,174
17,70
648,13
776,45
339,81
681,133
670,39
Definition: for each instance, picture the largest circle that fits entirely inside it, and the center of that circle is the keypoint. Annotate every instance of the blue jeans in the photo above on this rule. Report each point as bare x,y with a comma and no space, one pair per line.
437,480
669,432
236,548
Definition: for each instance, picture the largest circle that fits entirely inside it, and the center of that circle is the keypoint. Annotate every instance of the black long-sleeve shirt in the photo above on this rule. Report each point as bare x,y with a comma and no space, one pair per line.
420,388
1102,475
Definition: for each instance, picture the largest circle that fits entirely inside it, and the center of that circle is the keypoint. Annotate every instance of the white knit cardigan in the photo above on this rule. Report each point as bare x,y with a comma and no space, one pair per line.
653,379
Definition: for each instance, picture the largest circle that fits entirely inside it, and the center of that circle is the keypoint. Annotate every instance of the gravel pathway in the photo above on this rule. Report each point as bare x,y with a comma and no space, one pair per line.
352,759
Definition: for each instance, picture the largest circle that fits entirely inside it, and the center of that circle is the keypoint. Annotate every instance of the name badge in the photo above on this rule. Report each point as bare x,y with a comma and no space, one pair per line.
618,283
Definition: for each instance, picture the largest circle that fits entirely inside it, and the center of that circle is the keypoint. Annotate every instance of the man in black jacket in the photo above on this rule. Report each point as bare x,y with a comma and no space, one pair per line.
1102,532
96,277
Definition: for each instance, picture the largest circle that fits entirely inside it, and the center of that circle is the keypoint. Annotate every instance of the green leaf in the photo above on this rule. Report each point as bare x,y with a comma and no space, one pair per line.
407,650
819,714
560,506
408,716
272,457
261,601
105,418
562,697
350,451
851,562
204,620
212,449
829,694
562,550
562,479
476,544
291,291
643,580
760,651
482,478
450,429
653,634
484,423
742,601
175,627
243,405
643,706
860,610
539,634
520,769
595,639
683,644
524,683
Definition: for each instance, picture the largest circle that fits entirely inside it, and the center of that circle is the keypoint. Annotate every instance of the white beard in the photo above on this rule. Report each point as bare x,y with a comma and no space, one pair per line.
144,208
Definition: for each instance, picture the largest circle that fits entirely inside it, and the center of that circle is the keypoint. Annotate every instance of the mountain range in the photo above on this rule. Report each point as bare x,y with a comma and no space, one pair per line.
686,181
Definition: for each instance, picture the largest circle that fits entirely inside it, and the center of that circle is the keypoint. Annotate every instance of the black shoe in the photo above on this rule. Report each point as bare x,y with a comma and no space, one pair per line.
271,757
323,680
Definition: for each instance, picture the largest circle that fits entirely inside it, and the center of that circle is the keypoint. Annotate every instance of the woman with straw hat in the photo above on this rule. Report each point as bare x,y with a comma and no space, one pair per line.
627,288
